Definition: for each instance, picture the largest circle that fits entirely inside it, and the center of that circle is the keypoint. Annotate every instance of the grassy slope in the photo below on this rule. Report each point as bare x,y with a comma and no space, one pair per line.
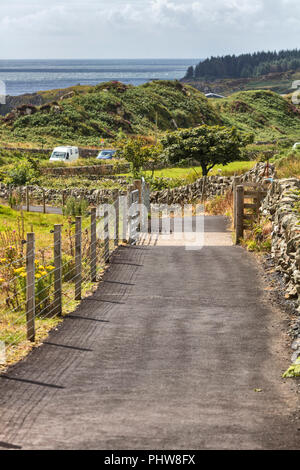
101,111
265,113
42,223
278,82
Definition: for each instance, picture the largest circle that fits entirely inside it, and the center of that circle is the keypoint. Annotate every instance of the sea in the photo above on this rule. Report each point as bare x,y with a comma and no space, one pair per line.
29,76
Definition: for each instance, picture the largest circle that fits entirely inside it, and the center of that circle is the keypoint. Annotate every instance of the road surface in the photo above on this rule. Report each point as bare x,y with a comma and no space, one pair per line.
167,354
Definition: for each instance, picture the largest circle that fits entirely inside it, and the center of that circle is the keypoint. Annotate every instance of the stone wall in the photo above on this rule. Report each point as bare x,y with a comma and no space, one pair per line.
208,187
99,170
54,197
279,206
83,152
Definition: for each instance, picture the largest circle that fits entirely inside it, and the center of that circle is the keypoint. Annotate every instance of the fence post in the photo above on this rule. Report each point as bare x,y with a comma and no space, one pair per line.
117,215
172,221
234,201
30,287
124,200
239,213
63,198
57,271
21,197
78,268
106,236
27,199
129,210
93,245
138,186
44,201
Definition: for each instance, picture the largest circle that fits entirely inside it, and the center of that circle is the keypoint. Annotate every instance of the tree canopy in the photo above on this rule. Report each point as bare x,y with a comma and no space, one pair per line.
245,65
208,145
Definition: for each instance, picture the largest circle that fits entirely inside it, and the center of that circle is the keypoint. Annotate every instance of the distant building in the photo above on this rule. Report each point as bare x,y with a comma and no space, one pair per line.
213,95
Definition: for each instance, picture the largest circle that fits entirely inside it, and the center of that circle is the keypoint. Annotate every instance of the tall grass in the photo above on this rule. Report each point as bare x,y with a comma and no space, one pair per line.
289,167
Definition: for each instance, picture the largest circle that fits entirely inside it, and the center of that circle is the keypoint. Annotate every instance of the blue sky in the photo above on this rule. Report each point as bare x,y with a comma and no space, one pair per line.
145,28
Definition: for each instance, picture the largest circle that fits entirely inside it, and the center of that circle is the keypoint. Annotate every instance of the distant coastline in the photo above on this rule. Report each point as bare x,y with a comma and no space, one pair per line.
29,76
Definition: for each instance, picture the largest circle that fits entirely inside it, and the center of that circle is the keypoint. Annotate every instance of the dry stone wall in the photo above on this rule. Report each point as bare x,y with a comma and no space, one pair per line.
280,206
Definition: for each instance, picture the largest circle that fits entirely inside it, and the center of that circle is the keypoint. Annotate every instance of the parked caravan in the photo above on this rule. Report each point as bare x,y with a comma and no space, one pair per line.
65,154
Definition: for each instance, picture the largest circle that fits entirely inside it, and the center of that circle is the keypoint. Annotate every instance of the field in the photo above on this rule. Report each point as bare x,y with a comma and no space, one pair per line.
196,172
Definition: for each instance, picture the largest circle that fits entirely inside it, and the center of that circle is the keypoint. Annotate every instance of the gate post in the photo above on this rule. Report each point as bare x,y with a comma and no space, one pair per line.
239,214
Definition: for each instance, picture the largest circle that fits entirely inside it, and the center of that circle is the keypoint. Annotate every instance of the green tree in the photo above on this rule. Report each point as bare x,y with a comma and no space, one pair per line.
208,145
138,152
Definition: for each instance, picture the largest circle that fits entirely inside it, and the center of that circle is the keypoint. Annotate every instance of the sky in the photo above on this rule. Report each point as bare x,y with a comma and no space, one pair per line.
102,29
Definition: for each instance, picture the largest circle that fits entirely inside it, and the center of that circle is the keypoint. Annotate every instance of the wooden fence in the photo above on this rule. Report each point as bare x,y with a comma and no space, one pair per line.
74,260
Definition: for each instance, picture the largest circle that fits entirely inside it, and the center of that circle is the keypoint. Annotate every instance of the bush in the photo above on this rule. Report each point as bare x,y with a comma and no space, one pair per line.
23,173
75,207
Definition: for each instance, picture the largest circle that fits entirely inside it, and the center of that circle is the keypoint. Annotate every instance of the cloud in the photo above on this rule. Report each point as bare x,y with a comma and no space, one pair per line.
155,26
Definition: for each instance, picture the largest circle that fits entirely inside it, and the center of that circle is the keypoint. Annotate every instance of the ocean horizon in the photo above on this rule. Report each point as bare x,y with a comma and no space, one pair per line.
29,76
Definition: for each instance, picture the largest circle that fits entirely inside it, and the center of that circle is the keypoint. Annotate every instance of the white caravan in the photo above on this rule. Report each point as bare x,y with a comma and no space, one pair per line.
64,154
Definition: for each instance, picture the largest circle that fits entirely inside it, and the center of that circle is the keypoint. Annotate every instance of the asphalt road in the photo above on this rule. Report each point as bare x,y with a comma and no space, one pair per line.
49,209
167,354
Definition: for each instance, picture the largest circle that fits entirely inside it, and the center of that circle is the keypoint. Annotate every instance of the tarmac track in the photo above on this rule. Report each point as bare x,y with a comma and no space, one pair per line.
166,354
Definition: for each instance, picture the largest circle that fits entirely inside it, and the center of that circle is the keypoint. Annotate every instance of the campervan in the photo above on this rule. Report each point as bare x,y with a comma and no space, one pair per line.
64,154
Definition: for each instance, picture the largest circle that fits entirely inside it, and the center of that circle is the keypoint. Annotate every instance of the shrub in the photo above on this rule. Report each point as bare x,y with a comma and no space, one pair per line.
21,174
75,207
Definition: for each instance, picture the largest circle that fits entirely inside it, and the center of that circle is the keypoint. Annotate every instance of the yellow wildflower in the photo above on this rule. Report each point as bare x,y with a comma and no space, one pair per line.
38,276
2,280
19,270
43,273
50,268
23,275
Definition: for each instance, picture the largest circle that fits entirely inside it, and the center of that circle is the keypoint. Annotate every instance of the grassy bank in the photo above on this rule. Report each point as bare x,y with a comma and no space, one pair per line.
196,172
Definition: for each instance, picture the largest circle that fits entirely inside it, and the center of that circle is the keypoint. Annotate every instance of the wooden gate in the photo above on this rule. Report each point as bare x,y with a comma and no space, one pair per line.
247,201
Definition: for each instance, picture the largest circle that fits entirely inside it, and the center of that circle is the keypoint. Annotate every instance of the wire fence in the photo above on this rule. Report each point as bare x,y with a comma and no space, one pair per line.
41,287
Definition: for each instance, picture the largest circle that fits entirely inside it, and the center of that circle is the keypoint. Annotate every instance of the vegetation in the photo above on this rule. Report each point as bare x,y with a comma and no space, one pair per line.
75,207
138,154
287,164
13,275
220,205
245,65
258,236
293,371
107,109
113,111
207,145
269,116
280,83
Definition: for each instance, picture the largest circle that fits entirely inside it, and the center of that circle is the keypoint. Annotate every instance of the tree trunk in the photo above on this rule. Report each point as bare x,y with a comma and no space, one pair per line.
204,169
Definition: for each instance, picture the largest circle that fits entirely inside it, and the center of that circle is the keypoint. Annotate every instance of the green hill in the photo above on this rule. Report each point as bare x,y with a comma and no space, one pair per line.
268,115
87,114
84,115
